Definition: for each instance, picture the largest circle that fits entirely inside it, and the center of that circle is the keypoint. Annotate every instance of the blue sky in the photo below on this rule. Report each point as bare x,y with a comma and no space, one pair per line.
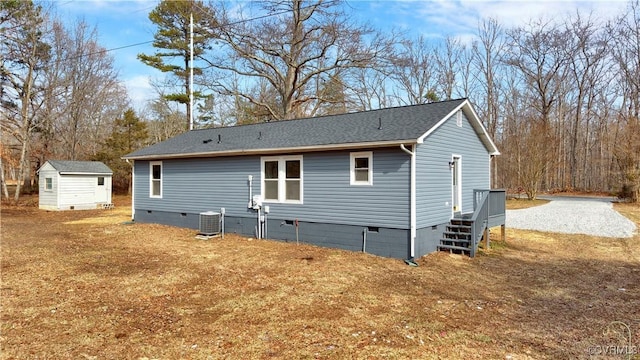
121,24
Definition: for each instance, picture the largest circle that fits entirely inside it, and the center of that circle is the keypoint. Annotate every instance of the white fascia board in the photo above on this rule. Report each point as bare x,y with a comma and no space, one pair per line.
481,130
298,149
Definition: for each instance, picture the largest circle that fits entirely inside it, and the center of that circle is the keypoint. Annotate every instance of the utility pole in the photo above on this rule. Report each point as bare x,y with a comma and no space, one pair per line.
191,71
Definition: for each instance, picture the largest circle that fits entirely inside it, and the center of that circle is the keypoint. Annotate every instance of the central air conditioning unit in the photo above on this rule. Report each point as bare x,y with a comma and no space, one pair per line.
210,223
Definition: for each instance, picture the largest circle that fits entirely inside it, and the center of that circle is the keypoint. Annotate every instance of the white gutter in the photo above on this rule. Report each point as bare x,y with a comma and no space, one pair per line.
413,197
264,151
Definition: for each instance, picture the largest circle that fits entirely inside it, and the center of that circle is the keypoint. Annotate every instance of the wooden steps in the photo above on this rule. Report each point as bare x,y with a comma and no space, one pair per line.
457,237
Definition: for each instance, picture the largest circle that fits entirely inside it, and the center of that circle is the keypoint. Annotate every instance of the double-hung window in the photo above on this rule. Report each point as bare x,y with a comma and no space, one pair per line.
48,184
282,179
155,186
362,168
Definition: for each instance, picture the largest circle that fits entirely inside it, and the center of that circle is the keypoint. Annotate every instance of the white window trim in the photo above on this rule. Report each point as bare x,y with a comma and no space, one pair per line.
352,167
282,172
46,188
151,164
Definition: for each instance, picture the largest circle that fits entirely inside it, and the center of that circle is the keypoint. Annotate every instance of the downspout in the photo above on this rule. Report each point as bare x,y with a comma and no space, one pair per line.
133,189
250,180
259,226
412,197
364,240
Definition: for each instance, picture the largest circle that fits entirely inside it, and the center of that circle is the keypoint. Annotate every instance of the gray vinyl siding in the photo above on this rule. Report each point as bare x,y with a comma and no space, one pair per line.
195,185
433,176
329,197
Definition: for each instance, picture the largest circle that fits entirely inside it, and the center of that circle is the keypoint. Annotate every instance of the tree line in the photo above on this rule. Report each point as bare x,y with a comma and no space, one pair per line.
559,95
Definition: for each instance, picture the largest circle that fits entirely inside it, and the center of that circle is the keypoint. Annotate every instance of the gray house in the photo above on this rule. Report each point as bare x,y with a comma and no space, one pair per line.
387,181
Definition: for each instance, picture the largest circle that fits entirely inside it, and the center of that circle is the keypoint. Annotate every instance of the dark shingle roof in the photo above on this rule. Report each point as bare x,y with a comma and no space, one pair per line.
88,167
399,124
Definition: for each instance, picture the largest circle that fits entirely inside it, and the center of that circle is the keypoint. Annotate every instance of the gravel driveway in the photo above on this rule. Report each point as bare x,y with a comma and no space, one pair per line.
573,215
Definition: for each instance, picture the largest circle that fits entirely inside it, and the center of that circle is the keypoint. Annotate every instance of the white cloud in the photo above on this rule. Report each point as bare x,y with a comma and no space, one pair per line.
128,7
140,90
514,13
460,18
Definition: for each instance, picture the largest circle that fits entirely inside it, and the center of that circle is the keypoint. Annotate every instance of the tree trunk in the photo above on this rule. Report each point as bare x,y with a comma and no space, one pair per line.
5,190
25,132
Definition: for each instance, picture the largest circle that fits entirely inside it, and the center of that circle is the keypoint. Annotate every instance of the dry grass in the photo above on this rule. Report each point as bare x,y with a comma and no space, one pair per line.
515,204
86,285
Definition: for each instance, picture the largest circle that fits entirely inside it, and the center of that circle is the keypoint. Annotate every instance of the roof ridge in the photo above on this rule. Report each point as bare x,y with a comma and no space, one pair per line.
330,116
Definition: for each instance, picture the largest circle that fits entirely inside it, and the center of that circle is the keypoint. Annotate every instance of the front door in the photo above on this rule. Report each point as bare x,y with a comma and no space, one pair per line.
456,183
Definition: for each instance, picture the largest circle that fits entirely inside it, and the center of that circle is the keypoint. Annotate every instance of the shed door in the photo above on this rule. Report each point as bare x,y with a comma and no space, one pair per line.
456,183
101,190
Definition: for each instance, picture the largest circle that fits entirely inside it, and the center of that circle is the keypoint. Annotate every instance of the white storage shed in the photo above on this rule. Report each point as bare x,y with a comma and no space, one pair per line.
74,185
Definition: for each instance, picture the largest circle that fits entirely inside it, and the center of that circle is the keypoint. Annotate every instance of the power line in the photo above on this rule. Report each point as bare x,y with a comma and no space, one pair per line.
214,27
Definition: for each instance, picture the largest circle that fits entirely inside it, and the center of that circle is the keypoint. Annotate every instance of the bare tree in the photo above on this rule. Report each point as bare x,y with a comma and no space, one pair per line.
627,56
164,119
537,51
587,51
412,71
368,88
301,42
487,62
450,58
487,56
91,92
24,54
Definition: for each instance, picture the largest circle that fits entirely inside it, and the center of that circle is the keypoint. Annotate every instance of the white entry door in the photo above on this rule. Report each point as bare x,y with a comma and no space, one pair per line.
456,183
102,190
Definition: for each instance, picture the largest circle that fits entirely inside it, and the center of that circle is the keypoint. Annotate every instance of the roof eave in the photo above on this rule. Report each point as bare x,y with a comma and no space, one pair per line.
84,173
239,152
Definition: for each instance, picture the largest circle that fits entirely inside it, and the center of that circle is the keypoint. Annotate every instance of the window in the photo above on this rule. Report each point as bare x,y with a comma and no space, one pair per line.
459,118
155,187
282,179
271,180
48,184
362,168
100,180
292,180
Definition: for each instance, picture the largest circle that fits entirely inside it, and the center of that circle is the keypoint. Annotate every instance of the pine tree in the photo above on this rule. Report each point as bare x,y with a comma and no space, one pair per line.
173,43
129,133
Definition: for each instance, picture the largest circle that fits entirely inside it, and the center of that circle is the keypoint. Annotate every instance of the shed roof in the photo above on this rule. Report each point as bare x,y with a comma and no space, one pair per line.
80,167
384,127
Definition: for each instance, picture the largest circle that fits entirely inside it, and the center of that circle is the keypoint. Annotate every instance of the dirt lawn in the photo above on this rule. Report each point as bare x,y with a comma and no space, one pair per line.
86,285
